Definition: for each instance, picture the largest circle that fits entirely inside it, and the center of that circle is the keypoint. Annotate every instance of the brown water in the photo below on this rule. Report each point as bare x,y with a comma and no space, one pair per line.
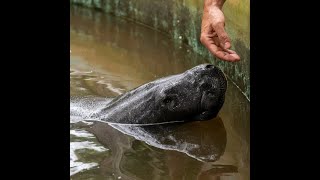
110,56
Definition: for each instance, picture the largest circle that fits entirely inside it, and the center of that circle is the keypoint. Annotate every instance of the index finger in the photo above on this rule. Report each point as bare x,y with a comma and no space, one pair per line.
220,53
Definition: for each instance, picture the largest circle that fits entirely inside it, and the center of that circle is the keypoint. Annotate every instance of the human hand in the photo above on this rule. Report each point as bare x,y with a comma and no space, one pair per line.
213,34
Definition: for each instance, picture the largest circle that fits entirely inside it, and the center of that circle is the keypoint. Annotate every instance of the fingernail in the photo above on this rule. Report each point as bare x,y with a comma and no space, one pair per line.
227,45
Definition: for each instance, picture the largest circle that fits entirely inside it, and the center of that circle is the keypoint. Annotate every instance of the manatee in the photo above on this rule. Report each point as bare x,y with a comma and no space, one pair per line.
194,95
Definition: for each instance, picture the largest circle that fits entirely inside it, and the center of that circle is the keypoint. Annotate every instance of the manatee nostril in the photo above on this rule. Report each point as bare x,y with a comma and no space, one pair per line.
209,66
205,86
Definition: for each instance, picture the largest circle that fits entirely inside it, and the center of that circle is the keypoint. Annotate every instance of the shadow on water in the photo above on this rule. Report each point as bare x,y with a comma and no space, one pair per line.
110,56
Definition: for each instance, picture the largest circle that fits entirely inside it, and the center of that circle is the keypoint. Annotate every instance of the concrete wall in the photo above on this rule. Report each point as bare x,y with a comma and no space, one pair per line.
181,20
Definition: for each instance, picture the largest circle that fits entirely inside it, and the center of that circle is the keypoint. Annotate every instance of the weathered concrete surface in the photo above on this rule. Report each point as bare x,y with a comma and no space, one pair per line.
181,20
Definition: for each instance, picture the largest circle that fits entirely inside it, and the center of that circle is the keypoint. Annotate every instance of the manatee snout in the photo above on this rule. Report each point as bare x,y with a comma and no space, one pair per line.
212,85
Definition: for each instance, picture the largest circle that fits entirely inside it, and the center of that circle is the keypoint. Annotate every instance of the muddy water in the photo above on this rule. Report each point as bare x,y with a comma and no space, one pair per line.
110,56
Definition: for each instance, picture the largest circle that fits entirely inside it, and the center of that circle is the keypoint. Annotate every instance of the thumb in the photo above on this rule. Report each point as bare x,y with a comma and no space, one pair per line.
222,35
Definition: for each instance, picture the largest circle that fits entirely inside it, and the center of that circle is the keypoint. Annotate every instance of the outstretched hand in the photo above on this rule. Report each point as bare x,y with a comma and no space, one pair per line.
214,36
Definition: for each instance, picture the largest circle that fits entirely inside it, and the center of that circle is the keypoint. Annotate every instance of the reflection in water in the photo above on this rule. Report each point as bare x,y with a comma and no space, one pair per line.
204,141
110,56
76,165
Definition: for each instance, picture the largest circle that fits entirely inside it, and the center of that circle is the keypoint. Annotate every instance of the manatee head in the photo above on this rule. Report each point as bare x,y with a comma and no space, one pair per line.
196,94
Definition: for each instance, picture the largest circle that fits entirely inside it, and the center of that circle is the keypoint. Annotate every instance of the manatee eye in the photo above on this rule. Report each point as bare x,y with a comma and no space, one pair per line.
170,102
167,100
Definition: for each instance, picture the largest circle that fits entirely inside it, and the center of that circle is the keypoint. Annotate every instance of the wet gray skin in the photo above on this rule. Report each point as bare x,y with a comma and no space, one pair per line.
197,94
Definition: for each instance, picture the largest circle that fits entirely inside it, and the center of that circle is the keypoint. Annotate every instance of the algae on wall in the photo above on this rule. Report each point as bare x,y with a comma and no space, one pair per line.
181,20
